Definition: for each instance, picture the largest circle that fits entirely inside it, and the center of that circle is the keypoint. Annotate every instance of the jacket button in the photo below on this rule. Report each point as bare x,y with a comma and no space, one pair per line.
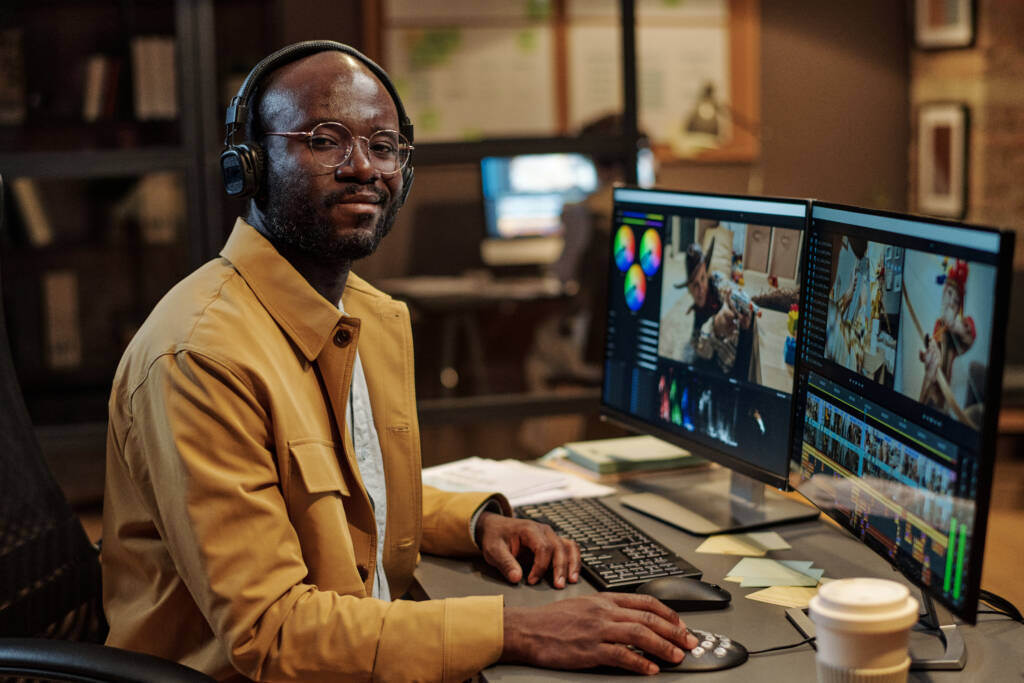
342,337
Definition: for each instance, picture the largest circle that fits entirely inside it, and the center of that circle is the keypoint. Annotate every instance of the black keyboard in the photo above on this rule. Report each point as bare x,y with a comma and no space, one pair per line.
616,555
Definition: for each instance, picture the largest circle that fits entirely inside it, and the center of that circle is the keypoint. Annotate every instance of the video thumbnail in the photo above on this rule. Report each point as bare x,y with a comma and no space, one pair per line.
945,334
893,470
864,307
729,297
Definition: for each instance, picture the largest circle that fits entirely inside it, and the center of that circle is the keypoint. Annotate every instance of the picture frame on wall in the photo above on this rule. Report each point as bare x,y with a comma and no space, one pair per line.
942,145
941,24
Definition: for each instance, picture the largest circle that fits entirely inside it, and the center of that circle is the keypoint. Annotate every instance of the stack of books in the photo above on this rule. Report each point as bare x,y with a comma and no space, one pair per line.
610,460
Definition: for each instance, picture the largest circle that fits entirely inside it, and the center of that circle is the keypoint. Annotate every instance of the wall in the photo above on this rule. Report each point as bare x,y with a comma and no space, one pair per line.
989,78
835,126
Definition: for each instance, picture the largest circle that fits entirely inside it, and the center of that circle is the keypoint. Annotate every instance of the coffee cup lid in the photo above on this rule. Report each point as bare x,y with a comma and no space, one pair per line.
864,605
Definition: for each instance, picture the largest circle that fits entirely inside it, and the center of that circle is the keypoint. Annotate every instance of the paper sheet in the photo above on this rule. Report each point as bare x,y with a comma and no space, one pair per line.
754,544
760,572
520,482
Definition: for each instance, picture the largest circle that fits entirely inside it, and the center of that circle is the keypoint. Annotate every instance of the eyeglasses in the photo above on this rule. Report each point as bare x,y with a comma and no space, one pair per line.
332,143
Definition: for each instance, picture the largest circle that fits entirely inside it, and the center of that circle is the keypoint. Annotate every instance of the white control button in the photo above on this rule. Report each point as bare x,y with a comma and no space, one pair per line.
697,651
719,651
707,645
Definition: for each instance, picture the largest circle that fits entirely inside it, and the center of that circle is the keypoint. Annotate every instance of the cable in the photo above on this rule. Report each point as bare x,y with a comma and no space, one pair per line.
1001,605
781,647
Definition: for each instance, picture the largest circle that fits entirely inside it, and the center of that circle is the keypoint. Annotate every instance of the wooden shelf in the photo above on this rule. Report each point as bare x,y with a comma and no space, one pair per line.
95,163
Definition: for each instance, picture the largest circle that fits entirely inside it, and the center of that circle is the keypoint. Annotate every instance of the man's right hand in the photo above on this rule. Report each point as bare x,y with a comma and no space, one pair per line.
595,630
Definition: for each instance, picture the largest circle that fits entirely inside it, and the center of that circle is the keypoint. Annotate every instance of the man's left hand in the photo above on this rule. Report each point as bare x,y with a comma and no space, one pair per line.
501,538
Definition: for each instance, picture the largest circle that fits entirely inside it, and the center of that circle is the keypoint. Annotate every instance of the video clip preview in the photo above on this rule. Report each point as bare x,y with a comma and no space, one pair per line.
702,314
890,404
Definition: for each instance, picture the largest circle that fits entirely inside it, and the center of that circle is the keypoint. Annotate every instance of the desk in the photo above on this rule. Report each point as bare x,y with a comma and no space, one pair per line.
994,646
456,300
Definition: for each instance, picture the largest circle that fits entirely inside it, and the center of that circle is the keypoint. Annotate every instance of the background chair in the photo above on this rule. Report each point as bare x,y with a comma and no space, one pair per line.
51,616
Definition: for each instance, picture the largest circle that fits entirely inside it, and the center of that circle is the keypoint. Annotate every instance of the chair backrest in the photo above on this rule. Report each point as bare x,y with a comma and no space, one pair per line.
49,570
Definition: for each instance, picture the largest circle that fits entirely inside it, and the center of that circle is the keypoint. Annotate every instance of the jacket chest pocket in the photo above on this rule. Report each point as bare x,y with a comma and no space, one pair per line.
318,470
317,497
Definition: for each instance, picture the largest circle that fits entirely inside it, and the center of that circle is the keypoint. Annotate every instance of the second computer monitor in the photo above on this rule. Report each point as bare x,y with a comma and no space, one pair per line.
898,388
702,311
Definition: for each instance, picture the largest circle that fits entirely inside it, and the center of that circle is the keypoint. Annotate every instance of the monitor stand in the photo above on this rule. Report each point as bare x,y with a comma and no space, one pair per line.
712,501
954,654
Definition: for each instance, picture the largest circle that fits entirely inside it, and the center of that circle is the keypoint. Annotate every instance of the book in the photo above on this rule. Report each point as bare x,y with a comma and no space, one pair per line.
95,85
38,228
154,77
12,77
63,336
629,454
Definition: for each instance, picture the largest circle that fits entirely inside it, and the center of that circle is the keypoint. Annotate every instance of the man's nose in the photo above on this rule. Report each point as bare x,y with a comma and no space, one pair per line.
358,163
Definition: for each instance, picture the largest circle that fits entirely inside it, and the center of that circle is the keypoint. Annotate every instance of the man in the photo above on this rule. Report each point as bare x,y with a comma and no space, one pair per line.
722,334
953,335
263,499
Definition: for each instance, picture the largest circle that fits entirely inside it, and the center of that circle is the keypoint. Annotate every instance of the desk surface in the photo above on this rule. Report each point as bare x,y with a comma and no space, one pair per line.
994,646
468,291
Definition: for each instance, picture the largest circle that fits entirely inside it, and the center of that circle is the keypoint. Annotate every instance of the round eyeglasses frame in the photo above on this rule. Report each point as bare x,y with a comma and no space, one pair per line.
402,154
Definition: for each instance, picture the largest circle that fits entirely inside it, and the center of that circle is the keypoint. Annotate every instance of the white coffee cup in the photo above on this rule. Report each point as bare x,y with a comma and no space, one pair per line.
863,627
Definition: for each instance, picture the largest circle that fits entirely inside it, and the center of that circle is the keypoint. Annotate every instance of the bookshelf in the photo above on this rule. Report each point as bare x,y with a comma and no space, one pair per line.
101,133
71,125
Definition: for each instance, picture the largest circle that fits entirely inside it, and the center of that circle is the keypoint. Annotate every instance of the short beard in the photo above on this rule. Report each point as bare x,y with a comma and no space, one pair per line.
293,221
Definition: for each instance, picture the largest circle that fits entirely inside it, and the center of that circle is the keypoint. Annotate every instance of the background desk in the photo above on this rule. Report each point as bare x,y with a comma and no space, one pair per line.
457,300
995,647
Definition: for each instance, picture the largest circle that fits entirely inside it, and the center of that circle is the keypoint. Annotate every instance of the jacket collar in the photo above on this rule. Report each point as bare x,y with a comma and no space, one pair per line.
305,316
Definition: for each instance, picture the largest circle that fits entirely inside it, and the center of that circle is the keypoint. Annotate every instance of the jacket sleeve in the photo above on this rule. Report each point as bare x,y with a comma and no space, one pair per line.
447,517
200,456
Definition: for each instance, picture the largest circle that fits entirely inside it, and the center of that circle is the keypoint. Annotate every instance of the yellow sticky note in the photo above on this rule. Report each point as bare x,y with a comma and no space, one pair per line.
785,596
754,544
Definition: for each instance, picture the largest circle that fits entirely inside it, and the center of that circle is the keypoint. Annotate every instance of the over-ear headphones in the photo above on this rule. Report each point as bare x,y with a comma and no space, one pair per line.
242,164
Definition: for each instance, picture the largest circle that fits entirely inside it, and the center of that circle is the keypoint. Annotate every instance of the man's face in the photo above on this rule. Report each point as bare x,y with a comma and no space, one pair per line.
334,214
698,285
950,302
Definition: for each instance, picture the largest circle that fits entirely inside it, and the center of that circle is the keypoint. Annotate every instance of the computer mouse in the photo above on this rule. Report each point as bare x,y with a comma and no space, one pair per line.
715,652
686,595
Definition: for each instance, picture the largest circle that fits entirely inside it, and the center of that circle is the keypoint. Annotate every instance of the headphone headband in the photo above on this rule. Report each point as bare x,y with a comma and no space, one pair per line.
242,163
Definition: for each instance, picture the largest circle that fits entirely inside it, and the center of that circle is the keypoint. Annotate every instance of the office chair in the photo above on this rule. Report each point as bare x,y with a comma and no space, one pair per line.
51,616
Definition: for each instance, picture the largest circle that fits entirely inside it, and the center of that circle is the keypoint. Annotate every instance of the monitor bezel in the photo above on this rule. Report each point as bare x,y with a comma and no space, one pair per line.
993,379
626,420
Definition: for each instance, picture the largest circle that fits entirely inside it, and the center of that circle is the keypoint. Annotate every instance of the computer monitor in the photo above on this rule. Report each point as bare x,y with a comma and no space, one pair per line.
700,343
523,198
900,359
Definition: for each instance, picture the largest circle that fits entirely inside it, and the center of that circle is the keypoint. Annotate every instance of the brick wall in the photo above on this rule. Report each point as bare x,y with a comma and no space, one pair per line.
989,79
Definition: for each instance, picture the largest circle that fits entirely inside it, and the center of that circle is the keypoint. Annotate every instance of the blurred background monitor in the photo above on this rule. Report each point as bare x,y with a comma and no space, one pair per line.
523,198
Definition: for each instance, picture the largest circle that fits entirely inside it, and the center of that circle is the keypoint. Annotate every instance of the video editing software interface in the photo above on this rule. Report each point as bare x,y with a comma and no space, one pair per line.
896,344
524,194
702,311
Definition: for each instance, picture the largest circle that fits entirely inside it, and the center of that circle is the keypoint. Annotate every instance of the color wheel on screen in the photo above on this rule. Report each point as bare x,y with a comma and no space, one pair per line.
650,252
624,247
636,287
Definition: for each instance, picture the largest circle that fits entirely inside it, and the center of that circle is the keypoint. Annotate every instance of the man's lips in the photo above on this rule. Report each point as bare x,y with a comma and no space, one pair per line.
363,198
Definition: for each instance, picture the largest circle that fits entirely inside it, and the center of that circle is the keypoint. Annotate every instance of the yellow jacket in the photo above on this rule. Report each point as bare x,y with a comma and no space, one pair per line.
237,535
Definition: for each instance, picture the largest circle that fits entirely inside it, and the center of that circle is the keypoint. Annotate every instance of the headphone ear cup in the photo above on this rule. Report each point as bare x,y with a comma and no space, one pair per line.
242,167
407,176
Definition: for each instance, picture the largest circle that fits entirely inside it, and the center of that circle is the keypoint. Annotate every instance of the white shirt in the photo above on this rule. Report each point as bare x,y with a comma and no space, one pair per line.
371,464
